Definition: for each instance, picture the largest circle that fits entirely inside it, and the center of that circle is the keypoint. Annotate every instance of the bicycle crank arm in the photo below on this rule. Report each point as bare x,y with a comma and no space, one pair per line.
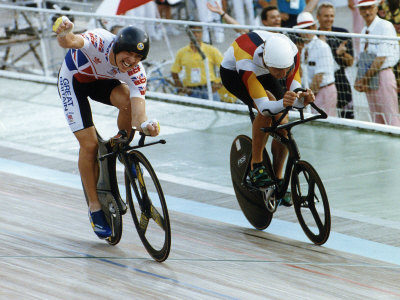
269,200
103,157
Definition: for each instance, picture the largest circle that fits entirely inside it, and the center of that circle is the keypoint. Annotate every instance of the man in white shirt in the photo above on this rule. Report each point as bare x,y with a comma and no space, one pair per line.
382,96
319,65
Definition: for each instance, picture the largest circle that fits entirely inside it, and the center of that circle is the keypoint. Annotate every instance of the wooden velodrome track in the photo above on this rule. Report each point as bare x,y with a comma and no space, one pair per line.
48,250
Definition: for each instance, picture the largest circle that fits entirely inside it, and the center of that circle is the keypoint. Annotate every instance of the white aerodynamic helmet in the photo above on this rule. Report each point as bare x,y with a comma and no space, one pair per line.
279,51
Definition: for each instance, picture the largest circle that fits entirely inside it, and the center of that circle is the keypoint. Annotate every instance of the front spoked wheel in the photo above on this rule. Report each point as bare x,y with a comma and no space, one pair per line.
148,207
310,202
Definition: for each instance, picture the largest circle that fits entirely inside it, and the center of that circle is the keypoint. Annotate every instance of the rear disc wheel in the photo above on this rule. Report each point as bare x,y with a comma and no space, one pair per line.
251,201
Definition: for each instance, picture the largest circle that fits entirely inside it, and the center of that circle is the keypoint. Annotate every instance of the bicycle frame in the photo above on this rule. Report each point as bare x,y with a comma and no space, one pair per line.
308,194
107,181
289,142
293,156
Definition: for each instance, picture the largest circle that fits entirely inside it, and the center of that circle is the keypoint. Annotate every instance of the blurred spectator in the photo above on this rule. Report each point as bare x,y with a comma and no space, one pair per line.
114,29
164,10
216,8
290,9
390,10
191,61
50,5
214,34
239,8
270,16
375,76
342,50
358,23
318,60
147,10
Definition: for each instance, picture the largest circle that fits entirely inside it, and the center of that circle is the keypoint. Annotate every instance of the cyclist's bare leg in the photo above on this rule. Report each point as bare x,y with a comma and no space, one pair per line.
120,99
88,166
259,138
279,152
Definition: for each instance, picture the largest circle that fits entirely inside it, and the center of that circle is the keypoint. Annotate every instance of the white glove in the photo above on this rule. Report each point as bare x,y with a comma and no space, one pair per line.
153,122
57,24
299,103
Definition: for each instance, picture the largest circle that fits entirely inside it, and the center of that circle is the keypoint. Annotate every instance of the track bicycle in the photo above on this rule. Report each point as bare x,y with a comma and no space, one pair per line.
308,194
156,81
144,194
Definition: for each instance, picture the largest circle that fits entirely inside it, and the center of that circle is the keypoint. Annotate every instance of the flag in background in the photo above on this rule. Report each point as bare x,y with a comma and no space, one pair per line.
125,5
115,7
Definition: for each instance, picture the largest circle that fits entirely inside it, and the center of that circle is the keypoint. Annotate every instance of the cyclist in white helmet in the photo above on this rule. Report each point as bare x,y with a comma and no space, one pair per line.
261,68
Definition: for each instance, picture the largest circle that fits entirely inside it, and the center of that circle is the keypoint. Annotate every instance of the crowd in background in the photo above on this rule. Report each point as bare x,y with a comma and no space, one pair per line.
324,57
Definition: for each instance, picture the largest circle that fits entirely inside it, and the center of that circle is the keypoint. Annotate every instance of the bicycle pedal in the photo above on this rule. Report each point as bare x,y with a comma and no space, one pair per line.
304,203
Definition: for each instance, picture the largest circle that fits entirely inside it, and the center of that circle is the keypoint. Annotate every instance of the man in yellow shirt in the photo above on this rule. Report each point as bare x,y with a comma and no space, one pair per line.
194,82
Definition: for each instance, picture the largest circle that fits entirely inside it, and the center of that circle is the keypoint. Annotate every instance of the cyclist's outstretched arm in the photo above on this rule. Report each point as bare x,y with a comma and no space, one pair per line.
139,118
227,18
66,39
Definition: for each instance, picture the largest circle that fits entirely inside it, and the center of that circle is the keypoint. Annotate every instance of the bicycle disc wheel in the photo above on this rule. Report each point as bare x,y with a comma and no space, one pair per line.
310,202
250,201
148,209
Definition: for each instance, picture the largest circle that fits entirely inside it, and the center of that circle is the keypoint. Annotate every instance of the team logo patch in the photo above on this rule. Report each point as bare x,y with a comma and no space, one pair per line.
140,46
241,160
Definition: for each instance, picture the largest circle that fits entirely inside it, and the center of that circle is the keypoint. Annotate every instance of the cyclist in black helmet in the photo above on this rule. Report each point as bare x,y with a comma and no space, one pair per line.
108,69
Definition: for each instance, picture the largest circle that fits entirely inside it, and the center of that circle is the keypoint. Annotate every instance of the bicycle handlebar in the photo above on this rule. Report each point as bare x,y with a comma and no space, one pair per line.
125,140
125,144
277,126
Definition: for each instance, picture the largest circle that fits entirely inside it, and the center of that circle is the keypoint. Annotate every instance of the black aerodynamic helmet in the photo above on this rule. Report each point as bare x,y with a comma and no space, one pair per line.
132,39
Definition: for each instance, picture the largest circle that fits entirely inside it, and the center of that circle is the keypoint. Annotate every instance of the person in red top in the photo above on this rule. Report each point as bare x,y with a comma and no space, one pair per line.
252,69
